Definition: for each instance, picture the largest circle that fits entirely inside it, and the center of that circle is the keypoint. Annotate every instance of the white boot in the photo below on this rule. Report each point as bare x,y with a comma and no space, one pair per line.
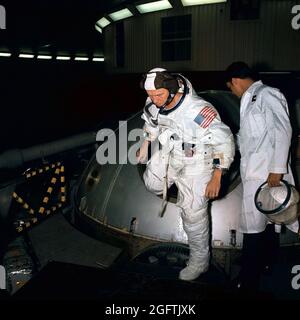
192,271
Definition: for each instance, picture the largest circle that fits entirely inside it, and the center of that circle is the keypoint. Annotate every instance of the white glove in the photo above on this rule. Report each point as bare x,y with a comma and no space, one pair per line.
142,153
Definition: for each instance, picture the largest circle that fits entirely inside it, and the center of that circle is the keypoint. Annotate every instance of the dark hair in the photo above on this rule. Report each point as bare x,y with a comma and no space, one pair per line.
240,70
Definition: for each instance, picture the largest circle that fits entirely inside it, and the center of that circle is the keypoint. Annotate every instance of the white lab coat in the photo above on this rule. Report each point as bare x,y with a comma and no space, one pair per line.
264,140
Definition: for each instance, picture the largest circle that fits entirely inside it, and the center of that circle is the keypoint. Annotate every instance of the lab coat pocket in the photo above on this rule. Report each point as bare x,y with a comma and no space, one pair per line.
257,166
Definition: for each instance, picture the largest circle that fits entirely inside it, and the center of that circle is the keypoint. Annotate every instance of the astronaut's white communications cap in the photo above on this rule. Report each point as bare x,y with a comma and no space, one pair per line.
151,79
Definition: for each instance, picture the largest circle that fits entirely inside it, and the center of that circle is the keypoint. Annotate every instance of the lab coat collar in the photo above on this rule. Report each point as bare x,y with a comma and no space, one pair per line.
253,87
249,92
247,96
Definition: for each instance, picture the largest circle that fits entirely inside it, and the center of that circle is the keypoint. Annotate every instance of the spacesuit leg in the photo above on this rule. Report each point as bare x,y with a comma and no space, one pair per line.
155,173
195,224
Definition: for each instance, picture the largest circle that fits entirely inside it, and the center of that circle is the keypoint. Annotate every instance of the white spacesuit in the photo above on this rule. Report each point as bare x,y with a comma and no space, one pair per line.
264,139
193,142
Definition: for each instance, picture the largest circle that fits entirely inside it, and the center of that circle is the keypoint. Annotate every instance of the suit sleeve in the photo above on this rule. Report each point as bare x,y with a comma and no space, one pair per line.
151,131
222,143
217,135
279,126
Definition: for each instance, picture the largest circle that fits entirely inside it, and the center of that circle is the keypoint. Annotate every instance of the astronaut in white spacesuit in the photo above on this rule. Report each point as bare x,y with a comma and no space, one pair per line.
264,141
195,149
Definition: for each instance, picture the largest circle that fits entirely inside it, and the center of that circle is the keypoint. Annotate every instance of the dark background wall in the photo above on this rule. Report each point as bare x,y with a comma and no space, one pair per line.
47,100
42,101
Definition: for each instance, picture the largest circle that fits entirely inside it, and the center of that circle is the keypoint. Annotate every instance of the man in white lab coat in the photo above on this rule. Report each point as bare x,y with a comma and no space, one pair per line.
195,148
264,141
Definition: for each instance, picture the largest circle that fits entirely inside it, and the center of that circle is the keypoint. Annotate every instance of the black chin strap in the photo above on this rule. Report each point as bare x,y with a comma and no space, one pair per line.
168,101
163,110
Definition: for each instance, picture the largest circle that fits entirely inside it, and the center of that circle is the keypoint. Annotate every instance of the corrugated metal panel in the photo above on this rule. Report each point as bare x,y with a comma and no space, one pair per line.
109,46
287,41
216,40
143,48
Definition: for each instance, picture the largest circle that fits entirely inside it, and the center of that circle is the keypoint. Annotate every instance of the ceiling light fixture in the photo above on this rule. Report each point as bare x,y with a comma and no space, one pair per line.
63,58
81,58
44,57
121,14
5,54
26,55
103,22
98,59
154,6
98,28
199,2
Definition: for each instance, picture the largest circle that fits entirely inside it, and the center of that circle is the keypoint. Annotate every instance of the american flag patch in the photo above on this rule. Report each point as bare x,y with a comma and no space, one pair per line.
205,117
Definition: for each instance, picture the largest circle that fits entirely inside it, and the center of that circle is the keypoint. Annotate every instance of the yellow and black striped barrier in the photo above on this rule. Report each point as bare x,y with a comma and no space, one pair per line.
57,180
32,173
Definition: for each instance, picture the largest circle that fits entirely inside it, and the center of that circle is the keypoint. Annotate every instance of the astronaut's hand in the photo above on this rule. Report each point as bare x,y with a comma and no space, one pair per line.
142,153
214,185
274,179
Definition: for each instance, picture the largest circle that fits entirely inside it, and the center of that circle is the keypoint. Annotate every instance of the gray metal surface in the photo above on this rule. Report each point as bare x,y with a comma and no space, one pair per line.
115,196
57,240
17,157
